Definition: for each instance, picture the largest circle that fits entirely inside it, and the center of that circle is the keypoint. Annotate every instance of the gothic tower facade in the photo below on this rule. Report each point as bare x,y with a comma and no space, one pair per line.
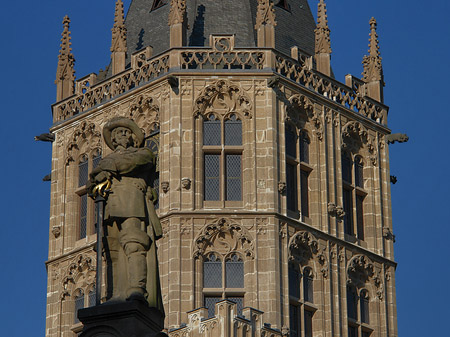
273,177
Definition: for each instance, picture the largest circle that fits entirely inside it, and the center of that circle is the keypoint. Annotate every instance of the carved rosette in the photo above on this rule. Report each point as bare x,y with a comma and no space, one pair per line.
223,236
300,111
85,133
223,97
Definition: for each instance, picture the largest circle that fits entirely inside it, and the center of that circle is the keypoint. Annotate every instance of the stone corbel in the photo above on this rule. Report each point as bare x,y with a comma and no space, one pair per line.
336,211
397,137
387,234
281,187
56,231
186,183
165,186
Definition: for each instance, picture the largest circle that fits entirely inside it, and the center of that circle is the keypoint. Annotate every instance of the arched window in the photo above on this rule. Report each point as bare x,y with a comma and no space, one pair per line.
353,195
222,150
92,296
301,298
223,278
78,303
86,207
358,313
297,170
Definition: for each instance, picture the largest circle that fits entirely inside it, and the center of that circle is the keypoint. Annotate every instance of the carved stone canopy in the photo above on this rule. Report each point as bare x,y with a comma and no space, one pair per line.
223,236
354,136
144,110
300,110
85,133
302,247
360,269
222,97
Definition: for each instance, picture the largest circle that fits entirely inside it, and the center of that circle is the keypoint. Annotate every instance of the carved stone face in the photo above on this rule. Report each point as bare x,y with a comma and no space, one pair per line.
122,137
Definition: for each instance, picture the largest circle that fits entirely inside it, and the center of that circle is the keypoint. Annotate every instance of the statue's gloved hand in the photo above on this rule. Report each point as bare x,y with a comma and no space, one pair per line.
95,179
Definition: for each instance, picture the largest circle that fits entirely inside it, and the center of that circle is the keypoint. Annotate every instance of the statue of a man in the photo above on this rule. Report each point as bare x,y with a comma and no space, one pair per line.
132,226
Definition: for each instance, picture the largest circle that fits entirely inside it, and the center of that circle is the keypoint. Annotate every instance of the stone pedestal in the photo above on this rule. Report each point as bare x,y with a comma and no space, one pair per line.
124,319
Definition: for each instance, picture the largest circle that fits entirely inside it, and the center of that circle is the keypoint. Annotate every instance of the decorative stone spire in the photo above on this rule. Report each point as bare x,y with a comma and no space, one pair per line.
65,73
323,44
119,40
177,23
265,24
373,69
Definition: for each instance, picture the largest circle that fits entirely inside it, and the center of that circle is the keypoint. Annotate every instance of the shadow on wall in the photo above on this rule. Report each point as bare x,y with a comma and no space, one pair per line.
197,37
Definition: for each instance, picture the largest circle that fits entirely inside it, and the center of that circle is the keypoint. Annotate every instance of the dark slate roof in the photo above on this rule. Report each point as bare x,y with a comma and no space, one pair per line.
146,27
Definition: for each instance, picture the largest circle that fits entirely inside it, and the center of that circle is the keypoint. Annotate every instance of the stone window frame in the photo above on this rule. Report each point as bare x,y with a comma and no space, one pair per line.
81,192
363,329
301,167
222,150
224,292
356,229
302,306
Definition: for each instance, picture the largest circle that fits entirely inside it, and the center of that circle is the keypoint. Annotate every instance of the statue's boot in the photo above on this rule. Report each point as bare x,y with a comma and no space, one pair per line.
137,276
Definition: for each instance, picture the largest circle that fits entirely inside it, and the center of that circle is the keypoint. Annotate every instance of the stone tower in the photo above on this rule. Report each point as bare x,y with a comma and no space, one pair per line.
274,183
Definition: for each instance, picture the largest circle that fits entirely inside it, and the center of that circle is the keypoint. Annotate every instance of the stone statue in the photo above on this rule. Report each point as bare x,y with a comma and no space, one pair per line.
131,224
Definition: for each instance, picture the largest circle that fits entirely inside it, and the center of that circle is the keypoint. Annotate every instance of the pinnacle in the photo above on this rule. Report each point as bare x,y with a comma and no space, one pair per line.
373,70
323,44
119,33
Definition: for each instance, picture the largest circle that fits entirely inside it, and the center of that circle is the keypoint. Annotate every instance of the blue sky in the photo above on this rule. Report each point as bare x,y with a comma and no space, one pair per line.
415,46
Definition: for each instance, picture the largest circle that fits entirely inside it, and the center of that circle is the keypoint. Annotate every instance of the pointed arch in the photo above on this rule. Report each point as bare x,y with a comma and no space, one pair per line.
84,139
223,236
222,97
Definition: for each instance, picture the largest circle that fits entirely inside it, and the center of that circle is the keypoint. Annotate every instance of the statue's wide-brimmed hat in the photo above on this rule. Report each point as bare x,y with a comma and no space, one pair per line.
123,122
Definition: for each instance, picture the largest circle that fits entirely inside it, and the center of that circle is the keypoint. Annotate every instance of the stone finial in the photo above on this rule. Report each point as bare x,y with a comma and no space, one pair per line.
177,23
323,44
177,12
65,73
322,30
373,69
265,24
119,40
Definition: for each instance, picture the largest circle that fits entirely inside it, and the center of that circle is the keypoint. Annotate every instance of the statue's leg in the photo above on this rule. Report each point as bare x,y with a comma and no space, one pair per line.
135,244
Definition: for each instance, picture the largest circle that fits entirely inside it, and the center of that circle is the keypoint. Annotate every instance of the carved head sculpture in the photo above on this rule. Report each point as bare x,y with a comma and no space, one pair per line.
122,131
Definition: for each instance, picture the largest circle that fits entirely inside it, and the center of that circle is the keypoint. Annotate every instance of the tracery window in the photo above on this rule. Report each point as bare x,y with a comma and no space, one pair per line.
353,195
222,152
297,170
358,313
301,301
87,207
223,278
78,303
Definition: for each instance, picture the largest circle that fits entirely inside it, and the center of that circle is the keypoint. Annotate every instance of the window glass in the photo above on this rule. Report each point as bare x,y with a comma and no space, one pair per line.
79,304
96,160
304,147
212,177
239,304
364,307
291,187
234,272
291,141
348,209
211,131
352,331
308,289
294,282
352,303
210,304
92,297
308,323
233,131
304,193
233,169
212,272
346,168
359,181
360,216
83,170
294,320
83,216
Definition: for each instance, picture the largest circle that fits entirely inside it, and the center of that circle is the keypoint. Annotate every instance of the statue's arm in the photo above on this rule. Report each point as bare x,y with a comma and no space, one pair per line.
128,162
